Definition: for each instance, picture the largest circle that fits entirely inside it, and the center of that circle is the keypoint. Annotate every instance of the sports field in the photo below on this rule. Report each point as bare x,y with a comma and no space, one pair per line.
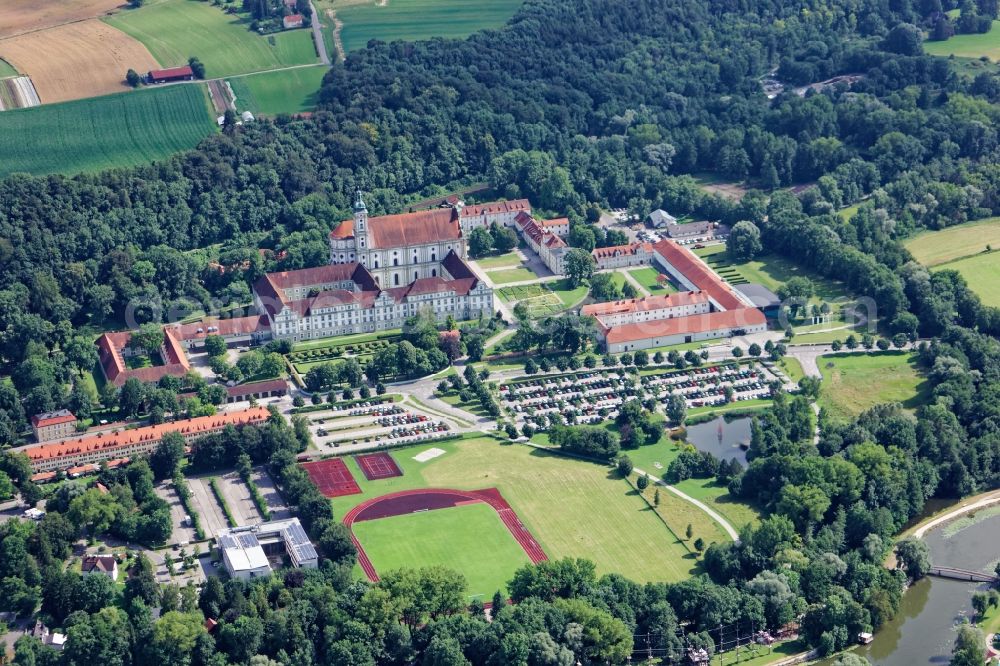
411,20
286,91
470,539
104,132
968,46
573,508
76,60
175,30
28,15
854,382
964,240
982,272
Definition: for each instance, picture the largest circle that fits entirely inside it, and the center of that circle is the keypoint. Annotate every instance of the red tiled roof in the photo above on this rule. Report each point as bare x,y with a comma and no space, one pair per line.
117,440
699,323
294,19
657,302
618,250
406,229
496,207
171,73
52,418
267,386
42,477
109,346
102,563
555,222
235,326
698,273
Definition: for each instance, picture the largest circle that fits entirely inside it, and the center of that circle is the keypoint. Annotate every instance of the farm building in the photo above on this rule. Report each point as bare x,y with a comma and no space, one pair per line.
184,73
690,230
293,21
661,218
709,308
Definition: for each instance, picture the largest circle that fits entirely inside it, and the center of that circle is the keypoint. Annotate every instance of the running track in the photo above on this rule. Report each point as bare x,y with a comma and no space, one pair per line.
439,498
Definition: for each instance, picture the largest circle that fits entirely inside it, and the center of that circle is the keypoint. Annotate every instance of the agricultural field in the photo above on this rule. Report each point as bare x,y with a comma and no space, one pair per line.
932,248
272,93
104,132
968,46
7,70
470,539
76,60
174,30
412,20
982,272
854,382
29,15
601,518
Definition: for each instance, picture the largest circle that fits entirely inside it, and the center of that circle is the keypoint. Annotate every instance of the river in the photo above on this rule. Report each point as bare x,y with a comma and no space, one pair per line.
923,632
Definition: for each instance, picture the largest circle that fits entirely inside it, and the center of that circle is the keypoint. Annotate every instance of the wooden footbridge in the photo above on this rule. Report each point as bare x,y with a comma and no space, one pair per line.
964,574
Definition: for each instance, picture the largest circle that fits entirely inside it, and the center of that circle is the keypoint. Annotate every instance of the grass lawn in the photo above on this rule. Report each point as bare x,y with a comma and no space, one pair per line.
647,278
792,368
771,271
118,130
964,240
411,20
569,296
854,382
678,513
271,93
968,46
507,275
982,272
717,496
848,212
573,508
826,337
175,30
499,261
763,655
741,406
473,406
470,539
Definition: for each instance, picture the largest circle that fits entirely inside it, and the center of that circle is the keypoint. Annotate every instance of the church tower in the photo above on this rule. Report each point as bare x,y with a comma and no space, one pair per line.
360,225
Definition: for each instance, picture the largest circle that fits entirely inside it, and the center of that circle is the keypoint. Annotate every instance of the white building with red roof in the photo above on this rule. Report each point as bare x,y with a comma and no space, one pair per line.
709,307
53,425
548,245
623,256
502,213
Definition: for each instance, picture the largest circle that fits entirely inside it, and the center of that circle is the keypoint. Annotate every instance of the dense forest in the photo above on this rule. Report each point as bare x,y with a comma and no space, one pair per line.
575,104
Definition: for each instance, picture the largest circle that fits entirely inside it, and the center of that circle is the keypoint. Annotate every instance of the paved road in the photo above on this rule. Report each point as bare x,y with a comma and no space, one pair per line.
992,498
317,30
808,355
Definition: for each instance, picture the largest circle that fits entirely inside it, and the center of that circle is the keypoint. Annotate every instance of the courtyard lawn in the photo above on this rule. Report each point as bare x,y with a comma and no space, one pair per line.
470,539
982,272
932,248
499,261
346,340
271,93
508,275
854,382
569,295
175,30
573,508
647,278
412,20
968,46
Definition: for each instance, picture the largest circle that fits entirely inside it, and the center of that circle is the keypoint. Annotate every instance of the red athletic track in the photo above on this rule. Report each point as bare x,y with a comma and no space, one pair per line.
378,466
410,501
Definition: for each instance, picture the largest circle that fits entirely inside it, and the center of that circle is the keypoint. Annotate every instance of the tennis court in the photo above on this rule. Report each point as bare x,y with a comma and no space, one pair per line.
332,477
378,466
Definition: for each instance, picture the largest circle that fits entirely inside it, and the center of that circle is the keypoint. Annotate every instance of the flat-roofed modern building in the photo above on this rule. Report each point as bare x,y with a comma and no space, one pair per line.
247,551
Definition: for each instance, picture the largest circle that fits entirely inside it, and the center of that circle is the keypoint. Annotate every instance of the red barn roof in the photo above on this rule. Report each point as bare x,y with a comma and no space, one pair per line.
171,73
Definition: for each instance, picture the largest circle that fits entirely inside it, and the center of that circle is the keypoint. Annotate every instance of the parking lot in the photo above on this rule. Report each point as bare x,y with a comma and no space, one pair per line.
203,501
373,423
238,498
182,531
275,504
594,395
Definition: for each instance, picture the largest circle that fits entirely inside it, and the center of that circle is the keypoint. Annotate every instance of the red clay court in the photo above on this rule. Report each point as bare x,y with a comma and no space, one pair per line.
411,501
332,477
378,466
